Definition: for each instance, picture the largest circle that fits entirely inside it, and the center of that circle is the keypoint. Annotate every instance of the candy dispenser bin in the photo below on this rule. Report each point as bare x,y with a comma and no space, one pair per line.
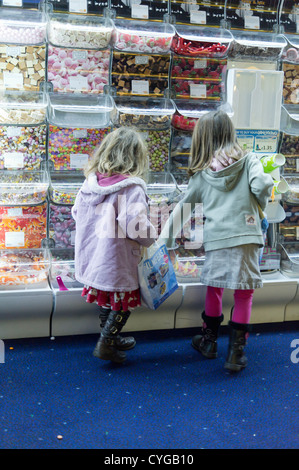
77,125
63,188
152,116
142,37
257,46
23,269
23,108
63,268
23,187
18,26
200,42
23,226
79,31
61,225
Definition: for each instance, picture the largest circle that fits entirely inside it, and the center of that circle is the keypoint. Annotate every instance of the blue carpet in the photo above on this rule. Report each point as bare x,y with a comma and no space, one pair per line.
55,395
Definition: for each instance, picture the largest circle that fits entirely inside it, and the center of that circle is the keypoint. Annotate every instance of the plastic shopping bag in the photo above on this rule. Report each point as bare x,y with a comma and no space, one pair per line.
157,279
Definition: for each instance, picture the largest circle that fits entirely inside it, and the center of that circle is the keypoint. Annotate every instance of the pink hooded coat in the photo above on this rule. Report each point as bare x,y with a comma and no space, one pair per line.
112,225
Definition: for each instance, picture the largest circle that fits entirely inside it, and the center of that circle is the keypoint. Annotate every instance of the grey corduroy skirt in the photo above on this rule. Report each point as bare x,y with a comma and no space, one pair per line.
232,268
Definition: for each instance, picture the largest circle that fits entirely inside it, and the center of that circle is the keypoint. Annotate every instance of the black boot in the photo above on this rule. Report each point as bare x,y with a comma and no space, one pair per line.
236,359
123,343
106,346
206,343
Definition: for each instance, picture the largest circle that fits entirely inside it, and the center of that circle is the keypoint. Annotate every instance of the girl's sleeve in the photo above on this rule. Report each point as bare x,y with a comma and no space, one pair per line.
133,217
181,213
261,183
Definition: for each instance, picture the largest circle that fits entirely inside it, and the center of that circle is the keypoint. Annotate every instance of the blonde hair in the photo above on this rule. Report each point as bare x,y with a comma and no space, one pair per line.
214,134
122,151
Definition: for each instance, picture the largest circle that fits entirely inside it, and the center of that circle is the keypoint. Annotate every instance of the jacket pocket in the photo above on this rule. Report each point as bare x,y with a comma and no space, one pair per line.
136,251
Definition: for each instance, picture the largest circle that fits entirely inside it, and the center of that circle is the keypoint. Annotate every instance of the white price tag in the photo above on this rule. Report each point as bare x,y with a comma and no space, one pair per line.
13,51
14,160
13,131
80,133
78,6
14,211
79,55
200,63
14,239
198,91
140,87
12,3
198,17
251,22
12,80
78,83
141,59
139,11
78,160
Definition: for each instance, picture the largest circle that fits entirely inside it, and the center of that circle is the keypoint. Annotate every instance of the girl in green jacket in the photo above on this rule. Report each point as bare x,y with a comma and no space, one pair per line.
233,189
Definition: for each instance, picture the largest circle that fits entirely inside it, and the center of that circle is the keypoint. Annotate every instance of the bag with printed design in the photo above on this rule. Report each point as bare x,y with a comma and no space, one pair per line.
157,279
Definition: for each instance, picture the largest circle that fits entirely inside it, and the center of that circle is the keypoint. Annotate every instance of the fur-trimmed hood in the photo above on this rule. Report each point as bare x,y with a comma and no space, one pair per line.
96,193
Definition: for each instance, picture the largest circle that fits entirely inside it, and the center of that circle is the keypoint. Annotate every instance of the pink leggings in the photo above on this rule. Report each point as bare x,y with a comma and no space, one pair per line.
242,307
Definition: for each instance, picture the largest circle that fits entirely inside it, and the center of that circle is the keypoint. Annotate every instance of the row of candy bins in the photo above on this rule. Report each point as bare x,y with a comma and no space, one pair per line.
289,228
22,49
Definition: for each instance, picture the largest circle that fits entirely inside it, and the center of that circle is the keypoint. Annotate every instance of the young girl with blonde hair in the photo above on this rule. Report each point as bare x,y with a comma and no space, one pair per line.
112,224
231,187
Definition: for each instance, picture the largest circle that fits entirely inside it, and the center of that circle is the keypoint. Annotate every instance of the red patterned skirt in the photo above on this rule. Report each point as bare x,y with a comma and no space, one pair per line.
114,300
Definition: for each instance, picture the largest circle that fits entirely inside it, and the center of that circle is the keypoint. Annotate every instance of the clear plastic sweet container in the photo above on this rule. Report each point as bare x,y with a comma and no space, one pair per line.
23,187
197,89
22,67
188,112
142,37
23,226
22,147
79,31
21,26
292,196
23,269
289,264
63,188
79,110
78,70
257,45
290,52
62,226
62,270
197,41
141,112
23,108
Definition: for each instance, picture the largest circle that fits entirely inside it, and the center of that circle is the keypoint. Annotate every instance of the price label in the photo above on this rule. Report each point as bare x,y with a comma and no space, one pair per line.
12,80
14,239
79,55
13,51
265,145
12,3
139,11
251,22
198,17
78,83
78,6
80,133
140,87
198,91
78,160
14,160
141,59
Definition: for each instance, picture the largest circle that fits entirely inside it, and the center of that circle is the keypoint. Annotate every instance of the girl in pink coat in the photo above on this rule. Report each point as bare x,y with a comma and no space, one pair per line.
112,225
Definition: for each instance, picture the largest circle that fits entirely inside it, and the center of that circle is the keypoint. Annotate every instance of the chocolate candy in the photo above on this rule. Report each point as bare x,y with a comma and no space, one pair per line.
291,83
